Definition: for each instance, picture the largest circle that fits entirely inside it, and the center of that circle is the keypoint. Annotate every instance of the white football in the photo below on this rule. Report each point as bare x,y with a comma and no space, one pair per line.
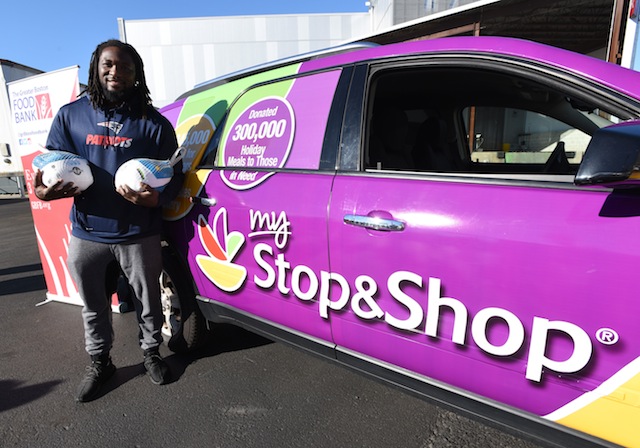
65,166
155,173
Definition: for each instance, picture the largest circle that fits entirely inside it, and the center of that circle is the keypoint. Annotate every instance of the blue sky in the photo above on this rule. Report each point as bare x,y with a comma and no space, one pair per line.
49,35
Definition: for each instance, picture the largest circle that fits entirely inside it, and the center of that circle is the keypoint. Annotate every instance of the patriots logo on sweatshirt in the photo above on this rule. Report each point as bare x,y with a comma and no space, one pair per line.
113,125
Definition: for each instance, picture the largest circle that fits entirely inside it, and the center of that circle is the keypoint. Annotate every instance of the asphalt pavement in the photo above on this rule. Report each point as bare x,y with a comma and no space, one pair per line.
240,391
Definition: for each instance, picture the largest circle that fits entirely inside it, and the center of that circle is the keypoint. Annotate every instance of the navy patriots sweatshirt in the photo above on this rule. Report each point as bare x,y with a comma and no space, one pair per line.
107,139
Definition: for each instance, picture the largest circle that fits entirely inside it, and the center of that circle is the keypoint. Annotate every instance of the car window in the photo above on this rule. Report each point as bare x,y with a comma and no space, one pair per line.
279,125
478,120
508,135
518,136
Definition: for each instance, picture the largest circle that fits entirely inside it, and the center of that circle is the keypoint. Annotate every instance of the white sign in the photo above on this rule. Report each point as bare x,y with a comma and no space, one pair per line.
35,101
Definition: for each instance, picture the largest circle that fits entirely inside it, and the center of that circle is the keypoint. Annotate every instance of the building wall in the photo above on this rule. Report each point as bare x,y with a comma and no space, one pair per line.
382,14
411,9
407,10
181,53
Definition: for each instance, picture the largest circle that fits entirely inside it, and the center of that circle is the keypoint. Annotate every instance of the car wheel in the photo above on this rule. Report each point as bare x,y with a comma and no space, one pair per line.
184,328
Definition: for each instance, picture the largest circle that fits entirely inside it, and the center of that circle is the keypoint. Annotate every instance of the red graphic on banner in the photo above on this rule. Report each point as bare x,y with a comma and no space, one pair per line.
53,229
43,106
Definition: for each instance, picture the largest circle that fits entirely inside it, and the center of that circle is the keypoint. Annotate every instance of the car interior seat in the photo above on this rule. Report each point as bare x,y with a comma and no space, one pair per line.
557,162
431,150
389,135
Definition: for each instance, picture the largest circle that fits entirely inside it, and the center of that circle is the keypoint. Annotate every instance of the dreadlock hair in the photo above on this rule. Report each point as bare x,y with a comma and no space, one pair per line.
140,99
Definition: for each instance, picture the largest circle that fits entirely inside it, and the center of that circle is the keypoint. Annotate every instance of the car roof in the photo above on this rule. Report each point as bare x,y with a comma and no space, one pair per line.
611,75
618,78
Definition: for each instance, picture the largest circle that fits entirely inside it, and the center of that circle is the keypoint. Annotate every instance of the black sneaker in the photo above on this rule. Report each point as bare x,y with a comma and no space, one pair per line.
156,367
98,373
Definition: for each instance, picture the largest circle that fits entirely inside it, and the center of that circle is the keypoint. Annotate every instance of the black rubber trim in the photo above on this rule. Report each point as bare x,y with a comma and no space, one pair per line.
220,313
351,141
331,142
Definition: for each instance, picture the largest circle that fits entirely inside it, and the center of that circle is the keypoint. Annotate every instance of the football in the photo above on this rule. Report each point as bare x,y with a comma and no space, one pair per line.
65,166
155,173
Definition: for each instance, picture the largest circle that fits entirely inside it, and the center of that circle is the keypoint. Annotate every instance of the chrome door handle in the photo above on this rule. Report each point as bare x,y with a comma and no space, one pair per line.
207,202
374,223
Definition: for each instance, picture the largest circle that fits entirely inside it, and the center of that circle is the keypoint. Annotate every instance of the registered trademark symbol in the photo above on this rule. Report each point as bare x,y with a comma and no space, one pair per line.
607,336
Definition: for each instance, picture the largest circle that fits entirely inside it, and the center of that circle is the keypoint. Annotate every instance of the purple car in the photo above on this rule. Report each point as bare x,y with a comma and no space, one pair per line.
460,217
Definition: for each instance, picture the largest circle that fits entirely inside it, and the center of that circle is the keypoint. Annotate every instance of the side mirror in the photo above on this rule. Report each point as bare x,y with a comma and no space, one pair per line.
612,158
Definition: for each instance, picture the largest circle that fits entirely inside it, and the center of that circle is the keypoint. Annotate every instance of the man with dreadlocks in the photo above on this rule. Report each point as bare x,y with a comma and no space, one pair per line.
113,123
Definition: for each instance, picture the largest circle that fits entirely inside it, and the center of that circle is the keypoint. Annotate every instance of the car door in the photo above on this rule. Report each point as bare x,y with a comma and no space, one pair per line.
259,235
464,266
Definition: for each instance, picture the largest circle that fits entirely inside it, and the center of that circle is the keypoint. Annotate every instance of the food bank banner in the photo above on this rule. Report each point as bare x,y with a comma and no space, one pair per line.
34,103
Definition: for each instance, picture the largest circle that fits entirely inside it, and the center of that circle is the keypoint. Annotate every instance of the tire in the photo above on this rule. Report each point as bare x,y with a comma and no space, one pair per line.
184,328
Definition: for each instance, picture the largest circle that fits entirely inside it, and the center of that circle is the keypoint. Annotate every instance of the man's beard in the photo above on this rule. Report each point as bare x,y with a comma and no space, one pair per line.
117,97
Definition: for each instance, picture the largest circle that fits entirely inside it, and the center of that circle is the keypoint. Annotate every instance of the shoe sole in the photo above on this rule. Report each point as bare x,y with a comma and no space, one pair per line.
157,383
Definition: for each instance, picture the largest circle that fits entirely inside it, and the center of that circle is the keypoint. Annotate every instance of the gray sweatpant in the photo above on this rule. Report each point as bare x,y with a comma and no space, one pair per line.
141,262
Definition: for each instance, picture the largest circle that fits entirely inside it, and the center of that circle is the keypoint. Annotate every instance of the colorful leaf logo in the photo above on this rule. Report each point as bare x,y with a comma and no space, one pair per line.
218,264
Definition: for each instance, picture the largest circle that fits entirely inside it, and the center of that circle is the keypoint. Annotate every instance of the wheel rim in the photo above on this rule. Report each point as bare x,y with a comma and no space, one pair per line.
170,306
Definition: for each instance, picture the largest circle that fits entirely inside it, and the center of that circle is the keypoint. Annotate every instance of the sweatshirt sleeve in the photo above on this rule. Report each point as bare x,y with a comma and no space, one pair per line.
59,138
